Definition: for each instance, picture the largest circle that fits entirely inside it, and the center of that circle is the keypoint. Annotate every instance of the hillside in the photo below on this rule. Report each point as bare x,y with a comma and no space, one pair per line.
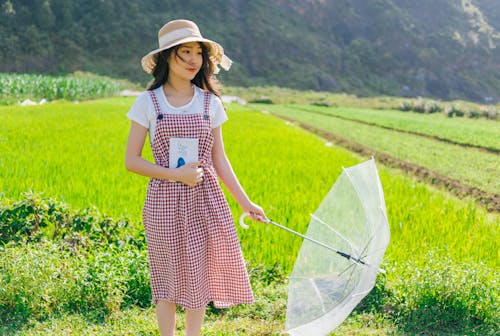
447,49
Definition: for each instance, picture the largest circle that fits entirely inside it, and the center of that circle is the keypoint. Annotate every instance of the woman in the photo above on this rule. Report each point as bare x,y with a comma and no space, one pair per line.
193,249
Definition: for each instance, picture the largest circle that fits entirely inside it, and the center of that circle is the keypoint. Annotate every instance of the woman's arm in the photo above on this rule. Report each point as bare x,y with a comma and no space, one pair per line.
228,177
190,174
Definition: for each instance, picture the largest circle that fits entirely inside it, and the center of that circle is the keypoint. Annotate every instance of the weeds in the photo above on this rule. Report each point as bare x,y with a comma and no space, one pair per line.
445,295
34,218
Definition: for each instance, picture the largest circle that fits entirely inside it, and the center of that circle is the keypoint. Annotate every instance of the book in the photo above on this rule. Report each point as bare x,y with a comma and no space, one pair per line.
182,151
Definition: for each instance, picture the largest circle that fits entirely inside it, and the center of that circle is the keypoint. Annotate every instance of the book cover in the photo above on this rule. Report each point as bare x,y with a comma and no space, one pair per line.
182,151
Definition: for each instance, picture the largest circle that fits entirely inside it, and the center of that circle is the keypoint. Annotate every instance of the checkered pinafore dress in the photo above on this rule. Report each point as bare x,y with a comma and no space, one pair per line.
193,248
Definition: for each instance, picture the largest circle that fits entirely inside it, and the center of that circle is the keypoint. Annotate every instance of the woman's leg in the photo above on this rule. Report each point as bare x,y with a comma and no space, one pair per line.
165,312
194,321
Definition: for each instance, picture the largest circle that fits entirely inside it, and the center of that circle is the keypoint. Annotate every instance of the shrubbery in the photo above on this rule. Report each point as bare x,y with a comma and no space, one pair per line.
454,110
34,218
56,260
444,294
42,279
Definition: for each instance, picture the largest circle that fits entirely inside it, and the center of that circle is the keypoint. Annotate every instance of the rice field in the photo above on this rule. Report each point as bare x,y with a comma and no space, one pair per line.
481,133
471,166
74,152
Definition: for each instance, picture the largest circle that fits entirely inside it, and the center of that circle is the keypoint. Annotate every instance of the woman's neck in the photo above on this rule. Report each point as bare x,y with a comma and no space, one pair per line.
178,93
178,88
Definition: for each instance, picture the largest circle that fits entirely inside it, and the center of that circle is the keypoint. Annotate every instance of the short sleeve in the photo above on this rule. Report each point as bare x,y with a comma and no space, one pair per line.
217,113
141,111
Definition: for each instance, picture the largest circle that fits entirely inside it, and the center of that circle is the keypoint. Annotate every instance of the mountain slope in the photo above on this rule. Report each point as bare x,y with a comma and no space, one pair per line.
448,49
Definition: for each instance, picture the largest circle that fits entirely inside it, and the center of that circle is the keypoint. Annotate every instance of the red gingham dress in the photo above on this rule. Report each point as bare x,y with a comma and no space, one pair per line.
193,249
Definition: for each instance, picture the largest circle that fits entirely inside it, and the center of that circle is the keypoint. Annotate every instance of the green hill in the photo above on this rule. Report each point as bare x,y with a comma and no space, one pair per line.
448,49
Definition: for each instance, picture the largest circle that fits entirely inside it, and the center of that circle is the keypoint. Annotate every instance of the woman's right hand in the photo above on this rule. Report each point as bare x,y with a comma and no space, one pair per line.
190,174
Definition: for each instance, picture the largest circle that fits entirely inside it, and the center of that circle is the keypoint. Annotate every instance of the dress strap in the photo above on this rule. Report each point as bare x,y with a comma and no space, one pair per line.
155,102
206,109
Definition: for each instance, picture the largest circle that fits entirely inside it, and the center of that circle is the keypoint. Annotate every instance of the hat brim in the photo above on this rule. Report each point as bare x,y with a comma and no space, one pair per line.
148,62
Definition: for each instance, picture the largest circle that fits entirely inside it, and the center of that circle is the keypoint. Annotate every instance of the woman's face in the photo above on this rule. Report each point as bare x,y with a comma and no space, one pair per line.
186,61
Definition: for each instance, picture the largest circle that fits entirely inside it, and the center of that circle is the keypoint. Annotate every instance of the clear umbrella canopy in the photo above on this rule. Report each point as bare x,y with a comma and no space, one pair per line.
327,283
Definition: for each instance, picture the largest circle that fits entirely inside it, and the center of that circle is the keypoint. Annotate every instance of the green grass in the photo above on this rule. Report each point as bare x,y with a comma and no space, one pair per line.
481,133
135,321
468,165
74,152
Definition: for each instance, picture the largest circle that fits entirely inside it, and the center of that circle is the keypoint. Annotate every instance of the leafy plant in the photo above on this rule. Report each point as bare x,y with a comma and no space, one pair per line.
444,294
34,218
42,279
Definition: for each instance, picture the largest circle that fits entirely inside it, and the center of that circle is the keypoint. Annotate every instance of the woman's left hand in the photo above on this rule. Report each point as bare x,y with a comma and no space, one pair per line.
256,212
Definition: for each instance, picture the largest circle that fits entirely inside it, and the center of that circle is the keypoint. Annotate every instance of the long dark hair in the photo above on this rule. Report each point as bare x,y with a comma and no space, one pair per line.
204,79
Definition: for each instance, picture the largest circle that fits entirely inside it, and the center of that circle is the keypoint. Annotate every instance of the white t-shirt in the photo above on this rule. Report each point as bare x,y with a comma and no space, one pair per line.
143,111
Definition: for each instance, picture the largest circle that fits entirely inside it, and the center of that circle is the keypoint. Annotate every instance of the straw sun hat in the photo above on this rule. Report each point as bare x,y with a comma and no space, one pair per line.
183,31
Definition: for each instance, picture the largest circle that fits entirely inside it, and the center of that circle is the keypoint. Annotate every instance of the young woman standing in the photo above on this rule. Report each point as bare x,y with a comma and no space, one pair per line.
193,249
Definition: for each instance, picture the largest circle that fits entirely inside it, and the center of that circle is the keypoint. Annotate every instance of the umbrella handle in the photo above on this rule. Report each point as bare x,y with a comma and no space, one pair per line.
242,220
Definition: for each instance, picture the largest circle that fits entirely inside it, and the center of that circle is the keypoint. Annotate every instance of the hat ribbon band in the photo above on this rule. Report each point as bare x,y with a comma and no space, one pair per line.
176,35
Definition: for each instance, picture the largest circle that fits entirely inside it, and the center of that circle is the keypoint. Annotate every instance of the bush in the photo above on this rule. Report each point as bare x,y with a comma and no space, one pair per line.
420,106
490,112
432,107
473,114
445,295
34,218
41,279
322,104
454,111
262,100
55,259
406,106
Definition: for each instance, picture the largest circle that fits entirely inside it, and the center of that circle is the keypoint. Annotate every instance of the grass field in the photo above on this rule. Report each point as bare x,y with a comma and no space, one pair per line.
437,277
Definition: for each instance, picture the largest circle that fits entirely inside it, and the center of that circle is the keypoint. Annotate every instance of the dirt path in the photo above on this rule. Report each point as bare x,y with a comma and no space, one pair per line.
489,200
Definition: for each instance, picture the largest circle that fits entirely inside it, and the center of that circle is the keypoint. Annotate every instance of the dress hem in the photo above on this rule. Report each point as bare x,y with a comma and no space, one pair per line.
226,304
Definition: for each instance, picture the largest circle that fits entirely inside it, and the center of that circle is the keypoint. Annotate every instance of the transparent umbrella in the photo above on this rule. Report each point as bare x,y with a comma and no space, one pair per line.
340,256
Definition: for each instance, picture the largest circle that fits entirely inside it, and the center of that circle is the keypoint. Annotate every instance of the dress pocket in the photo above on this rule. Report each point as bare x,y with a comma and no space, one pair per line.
151,199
